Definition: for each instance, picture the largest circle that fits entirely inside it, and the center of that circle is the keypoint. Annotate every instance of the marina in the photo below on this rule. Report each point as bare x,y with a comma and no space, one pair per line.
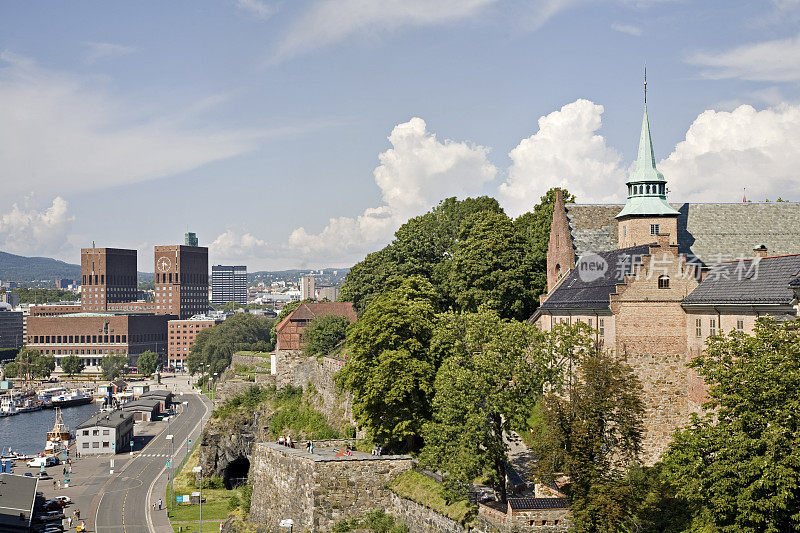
26,432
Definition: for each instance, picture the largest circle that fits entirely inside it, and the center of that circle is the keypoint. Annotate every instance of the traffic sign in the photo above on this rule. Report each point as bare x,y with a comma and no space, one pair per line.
287,522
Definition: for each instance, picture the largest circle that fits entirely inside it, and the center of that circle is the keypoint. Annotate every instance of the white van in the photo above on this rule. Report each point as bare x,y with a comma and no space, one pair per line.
38,462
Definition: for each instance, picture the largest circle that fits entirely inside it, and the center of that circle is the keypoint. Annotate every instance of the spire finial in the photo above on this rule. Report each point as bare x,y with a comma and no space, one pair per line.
645,84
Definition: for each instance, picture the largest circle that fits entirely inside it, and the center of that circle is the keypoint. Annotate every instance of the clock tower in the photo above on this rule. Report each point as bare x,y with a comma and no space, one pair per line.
181,280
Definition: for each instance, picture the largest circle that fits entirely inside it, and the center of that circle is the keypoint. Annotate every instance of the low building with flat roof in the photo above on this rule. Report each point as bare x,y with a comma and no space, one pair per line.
105,433
17,496
163,396
143,409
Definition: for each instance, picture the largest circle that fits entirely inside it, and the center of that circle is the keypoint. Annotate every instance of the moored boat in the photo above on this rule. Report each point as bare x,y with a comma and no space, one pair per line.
58,438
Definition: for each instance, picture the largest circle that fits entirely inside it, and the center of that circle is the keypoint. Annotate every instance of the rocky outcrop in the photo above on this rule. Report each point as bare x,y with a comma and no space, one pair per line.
226,446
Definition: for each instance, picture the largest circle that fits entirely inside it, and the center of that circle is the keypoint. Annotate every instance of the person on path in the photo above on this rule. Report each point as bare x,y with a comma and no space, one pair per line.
69,522
159,504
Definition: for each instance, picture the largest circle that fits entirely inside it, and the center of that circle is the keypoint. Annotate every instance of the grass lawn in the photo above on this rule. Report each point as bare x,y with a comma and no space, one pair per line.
427,492
217,501
208,527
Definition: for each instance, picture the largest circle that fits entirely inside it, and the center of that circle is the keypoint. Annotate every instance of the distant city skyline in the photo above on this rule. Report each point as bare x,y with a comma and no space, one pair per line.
302,134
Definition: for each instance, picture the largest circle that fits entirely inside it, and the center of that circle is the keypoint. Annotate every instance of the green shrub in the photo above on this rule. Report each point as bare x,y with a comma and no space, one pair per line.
247,495
234,503
213,482
343,526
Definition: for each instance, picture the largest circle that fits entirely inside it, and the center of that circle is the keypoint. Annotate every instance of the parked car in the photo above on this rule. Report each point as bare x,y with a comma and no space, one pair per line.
65,500
43,475
51,516
53,528
27,474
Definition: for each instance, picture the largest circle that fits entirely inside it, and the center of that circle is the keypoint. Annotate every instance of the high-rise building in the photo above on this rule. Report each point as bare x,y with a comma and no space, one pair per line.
181,280
228,284
190,239
108,275
10,327
307,287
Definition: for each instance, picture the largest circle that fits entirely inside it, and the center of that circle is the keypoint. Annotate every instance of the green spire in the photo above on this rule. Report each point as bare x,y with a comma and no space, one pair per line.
647,188
645,169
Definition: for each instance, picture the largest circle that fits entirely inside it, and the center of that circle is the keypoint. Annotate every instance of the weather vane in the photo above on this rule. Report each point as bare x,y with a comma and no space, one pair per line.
645,84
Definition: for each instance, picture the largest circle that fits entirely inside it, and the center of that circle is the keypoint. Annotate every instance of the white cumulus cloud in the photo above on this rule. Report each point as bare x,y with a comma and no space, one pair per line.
566,152
62,133
415,173
26,230
724,152
99,51
235,244
630,29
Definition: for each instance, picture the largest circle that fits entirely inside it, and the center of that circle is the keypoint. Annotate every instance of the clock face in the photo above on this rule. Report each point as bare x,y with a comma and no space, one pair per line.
163,264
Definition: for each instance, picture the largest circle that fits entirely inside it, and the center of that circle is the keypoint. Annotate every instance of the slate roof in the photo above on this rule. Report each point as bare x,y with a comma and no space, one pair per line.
17,494
522,504
575,293
710,232
751,281
106,420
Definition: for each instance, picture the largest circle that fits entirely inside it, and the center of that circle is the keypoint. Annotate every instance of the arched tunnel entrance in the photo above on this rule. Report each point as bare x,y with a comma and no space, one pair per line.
236,473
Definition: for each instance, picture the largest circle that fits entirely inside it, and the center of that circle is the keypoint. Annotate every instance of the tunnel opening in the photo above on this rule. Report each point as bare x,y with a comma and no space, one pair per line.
236,473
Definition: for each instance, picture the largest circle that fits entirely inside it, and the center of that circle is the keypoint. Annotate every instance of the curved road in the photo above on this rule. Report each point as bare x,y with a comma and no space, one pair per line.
123,500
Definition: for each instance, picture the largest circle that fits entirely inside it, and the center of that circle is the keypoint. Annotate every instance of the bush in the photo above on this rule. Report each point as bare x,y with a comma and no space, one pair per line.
234,503
247,496
213,482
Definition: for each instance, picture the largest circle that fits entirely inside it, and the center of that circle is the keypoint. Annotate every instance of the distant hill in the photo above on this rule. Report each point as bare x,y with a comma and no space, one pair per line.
20,268
44,269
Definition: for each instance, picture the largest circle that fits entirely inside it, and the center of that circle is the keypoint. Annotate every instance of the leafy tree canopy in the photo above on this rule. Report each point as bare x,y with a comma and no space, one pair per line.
390,370
112,365
493,372
32,295
72,364
214,347
147,363
592,431
324,333
739,465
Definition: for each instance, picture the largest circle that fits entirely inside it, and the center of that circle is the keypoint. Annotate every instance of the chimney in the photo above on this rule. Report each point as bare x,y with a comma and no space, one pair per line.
760,251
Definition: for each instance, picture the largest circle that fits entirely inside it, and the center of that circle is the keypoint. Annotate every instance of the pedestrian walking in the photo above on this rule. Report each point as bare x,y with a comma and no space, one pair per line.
69,522
159,504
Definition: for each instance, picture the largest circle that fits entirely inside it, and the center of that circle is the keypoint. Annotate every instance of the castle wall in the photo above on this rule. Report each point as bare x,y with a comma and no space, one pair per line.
299,370
316,491
604,331
651,337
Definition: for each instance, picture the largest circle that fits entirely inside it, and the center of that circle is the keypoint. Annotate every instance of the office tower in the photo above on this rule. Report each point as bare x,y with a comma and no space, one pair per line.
181,280
108,275
228,284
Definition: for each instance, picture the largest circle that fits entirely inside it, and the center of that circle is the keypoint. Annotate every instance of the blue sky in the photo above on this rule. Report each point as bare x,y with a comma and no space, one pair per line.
302,133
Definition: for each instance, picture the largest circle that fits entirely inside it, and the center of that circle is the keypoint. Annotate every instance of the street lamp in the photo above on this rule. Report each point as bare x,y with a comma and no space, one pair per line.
199,470
171,440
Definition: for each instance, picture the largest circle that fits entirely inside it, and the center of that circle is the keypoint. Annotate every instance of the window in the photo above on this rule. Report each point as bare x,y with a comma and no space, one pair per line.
105,444
86,432
663,282
85,444
106,432
713,326
601,326
95,432
654,229
740,325
95,445
698,328
590,322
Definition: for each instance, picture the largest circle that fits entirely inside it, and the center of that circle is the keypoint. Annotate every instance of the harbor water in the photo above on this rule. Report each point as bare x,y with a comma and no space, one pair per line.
25,432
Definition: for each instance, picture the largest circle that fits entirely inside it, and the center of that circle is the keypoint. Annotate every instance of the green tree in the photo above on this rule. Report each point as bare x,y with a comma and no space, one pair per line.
112,365
487,267
390,370
592,432
26,359
534,229
214,347
12,370
738,466
147,363
324,333
43,366
32,295
485,388
421,247
72,364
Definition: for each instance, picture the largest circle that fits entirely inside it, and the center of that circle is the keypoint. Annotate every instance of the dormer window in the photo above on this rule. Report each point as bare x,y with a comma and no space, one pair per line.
663,282
654,229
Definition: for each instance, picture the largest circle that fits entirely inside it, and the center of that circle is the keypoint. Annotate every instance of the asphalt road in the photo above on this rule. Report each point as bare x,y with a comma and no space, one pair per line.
123,500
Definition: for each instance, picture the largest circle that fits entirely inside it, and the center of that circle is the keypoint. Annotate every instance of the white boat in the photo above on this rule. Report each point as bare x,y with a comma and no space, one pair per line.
58,438
8,407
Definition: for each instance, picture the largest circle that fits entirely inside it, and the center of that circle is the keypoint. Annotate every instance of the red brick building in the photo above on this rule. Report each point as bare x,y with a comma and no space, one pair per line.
290,329
91,336
181,280
182,334
108,275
